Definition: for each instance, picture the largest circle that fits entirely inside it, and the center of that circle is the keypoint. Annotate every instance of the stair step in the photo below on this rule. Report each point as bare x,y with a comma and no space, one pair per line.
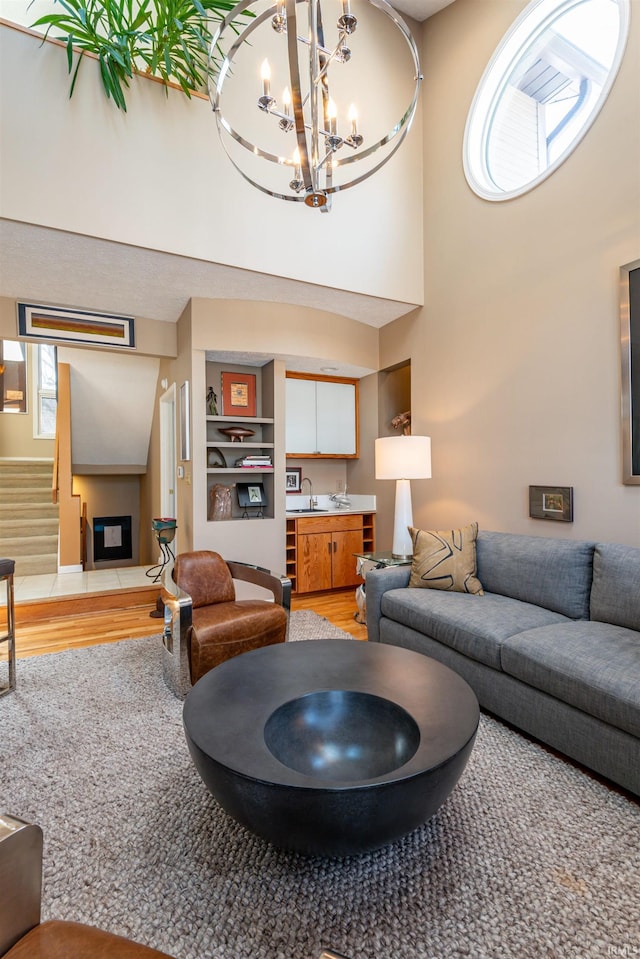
32,495
36,564
22,480
26,466
27,511
28,528
28,518
13,546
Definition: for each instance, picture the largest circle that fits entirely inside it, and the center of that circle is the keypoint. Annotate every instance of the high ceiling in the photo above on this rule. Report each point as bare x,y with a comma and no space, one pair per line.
43,265
420,9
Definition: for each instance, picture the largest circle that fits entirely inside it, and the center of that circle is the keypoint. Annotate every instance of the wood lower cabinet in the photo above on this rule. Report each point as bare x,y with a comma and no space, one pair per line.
321,550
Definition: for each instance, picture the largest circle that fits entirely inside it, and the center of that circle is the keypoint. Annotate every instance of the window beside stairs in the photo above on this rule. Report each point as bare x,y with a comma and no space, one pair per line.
46,392
13,377
44,375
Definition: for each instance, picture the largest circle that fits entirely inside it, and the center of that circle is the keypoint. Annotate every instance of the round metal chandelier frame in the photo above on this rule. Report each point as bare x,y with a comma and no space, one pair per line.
317,142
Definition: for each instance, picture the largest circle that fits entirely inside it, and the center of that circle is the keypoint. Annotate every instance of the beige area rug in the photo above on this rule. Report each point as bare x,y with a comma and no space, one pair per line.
529,858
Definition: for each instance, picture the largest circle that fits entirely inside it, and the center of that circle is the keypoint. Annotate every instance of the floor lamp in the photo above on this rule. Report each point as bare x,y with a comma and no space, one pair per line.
403,458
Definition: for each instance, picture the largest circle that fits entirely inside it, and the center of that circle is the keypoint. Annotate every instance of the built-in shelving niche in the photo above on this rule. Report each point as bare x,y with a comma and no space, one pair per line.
221,447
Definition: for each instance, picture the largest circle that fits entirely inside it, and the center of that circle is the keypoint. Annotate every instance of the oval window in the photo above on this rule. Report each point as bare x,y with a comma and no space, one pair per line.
541,91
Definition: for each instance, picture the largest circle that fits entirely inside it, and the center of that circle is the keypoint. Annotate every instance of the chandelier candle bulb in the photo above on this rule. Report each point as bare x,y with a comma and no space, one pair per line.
353,116
287,122
266,78
331,116
297,182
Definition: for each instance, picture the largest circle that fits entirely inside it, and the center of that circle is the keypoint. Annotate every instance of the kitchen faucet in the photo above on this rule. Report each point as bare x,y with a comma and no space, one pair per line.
305,479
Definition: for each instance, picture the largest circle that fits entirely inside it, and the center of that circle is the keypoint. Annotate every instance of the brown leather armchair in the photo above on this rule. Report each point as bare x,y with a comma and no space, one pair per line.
22,935
204,622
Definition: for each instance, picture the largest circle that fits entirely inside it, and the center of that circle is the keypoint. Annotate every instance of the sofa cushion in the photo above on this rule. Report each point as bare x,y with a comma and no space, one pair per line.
476,626
594,667
445,559
553,573
615,594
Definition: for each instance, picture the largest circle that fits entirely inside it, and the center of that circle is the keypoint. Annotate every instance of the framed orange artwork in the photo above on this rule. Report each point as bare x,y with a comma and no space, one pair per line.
238,394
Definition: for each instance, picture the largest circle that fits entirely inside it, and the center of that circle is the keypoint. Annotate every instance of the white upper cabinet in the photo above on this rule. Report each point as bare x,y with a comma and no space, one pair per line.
321,416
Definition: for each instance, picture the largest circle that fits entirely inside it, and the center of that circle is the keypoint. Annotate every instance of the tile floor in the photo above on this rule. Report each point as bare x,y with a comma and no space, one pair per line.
46,585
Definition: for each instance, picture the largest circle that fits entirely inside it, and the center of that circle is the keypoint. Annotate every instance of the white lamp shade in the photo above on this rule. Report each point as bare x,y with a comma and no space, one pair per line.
403,457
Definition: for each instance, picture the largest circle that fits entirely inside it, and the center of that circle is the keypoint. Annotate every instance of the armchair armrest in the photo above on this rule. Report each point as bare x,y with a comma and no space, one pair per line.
378,581
280,586
20,879
176,634
178,611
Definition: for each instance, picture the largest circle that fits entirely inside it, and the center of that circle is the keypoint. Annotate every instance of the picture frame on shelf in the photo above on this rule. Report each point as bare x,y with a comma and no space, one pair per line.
238,394
293,479
551,502
251,494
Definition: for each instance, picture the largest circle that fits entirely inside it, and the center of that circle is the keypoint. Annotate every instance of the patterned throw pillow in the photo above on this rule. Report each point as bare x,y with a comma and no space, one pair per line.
446,559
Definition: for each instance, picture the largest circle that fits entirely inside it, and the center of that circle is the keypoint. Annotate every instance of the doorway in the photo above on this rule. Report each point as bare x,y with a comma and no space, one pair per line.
168,461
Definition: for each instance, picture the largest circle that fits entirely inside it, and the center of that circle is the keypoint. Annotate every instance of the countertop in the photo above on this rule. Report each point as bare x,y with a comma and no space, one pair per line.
296,502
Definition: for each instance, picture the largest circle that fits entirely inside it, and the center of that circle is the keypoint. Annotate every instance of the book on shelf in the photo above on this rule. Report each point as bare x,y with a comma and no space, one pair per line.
254,461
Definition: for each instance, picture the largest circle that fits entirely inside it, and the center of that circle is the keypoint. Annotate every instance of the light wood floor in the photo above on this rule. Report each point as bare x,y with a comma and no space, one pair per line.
55,633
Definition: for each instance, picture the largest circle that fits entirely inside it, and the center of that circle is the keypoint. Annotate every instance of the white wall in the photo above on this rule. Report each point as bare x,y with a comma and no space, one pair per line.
516,356
157,177
112,397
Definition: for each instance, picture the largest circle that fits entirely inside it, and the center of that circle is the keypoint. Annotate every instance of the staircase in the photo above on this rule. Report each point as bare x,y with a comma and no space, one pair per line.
28,518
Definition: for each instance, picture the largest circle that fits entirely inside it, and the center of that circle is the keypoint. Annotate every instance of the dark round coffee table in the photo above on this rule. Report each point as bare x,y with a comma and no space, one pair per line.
331,747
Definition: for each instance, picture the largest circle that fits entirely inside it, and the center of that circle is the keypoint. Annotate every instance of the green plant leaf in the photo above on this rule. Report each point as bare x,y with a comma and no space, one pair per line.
169,39
75,76
70,53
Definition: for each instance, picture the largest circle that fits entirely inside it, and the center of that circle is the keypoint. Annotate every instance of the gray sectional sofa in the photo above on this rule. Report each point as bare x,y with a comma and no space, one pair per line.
553,645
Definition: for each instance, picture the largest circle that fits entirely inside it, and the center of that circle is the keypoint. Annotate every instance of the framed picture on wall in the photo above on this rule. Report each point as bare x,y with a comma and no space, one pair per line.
111,538
551,502
293,479
238,394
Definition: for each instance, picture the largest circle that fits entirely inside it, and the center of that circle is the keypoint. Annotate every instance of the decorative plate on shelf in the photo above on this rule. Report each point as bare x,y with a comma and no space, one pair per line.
237,434
215,458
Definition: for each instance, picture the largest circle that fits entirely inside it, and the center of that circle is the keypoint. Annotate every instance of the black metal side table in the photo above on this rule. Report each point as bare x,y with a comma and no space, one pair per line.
7,569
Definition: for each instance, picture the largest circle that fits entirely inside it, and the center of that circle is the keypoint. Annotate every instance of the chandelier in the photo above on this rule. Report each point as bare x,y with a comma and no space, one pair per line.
325,93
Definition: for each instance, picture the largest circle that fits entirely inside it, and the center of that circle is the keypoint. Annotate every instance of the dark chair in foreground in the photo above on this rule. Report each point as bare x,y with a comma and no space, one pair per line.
7,569
22,935
204,622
